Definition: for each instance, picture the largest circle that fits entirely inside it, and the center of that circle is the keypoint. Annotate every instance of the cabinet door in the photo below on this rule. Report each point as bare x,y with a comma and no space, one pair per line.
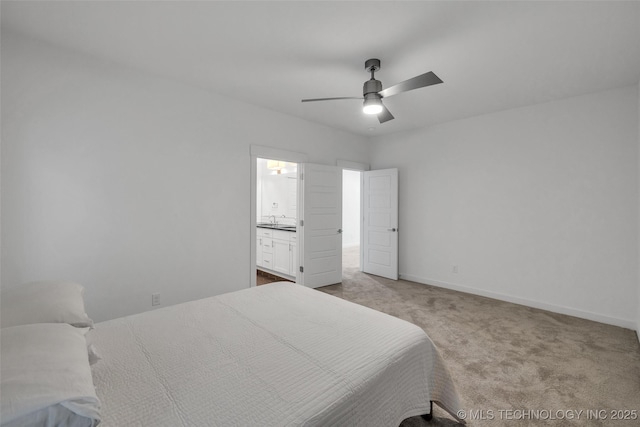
281,259
267,260
293,256
267,246
259,251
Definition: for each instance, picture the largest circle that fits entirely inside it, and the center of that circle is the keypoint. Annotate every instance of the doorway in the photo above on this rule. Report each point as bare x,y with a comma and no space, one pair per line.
276,245
351,221
263,152
370,222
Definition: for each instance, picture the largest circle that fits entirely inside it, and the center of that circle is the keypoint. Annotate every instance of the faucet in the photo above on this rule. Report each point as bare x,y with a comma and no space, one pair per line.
274,222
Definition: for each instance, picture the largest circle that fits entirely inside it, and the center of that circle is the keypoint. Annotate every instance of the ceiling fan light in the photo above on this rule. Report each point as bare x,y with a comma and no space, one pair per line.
372,106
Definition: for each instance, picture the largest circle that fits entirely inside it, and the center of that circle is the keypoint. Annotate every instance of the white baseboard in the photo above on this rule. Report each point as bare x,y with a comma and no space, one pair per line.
624,323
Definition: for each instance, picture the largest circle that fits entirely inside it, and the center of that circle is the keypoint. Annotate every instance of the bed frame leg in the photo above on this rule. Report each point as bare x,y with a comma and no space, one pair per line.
429,416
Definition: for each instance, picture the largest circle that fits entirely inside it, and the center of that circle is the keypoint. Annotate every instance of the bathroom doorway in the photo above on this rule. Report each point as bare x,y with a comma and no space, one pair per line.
276,221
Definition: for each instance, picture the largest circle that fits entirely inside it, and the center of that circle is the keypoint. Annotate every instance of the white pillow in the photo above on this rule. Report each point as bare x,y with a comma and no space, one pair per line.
45,376
44,302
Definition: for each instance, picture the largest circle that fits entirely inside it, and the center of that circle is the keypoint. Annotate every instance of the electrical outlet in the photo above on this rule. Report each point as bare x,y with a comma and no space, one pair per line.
155,299
455,269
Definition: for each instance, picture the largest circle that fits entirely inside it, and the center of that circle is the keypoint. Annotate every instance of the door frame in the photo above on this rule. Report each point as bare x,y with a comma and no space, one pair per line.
360,167
264,152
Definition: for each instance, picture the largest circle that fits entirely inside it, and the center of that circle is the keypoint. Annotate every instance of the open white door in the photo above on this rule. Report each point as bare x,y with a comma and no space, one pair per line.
380,212
320,228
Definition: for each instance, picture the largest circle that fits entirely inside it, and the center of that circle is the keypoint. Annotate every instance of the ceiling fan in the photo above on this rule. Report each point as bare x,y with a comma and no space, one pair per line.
372,92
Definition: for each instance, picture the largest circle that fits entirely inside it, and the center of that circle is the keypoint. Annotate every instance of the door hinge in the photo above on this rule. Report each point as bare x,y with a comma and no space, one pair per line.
301,269
302,223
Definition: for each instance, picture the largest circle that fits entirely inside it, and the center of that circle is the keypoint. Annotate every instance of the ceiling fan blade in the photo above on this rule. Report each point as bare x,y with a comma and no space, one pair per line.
426,79
385,115
330,99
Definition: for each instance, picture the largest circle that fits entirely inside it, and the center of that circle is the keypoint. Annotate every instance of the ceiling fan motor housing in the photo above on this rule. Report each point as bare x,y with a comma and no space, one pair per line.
372,87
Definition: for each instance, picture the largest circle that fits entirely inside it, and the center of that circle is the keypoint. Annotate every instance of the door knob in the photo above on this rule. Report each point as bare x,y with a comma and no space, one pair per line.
339,230
391,229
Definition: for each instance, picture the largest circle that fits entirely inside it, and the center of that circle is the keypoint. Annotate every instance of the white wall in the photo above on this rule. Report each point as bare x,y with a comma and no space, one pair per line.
537,205
129,183
350,208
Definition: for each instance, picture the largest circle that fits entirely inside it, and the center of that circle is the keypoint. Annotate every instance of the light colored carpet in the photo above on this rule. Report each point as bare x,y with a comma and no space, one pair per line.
507,357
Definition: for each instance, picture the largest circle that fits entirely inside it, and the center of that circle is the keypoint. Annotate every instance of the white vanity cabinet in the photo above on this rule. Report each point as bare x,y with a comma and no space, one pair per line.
281,257
278,252
267,252
259,251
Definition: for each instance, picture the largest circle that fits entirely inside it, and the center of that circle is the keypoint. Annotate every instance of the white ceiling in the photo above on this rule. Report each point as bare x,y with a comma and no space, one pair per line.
491,55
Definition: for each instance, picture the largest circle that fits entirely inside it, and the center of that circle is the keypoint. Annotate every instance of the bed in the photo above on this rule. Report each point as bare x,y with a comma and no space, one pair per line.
276,355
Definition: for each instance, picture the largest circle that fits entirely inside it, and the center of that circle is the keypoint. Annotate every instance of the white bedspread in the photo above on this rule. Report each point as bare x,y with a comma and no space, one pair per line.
274,355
